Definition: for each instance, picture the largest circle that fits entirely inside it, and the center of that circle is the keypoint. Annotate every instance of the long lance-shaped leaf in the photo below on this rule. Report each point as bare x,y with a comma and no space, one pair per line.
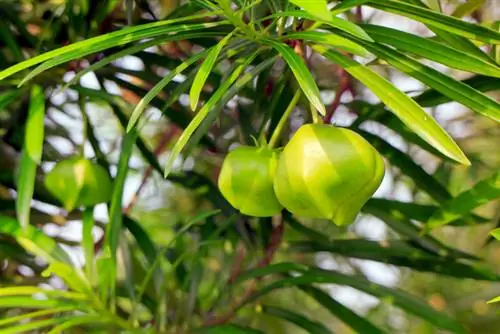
398,253
431,18
134,49
482,193
334,22
312,327
431,50
331,40
318,8
143,103
99,43
31,155
301,73
406,109
357,323
200,116
347,4
312,275
33,240
450,87
204,71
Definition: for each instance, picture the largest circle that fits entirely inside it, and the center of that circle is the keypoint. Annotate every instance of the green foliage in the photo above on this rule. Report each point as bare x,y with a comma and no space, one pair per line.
122,161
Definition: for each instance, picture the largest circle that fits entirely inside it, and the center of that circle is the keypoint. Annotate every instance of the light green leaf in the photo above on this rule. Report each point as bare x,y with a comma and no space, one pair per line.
143,103
204,71
432,50
333,21
200,116
347,4
32,325
496,233
76,321
41,313
467,8
297,319
482,193
434,19
301,73
494,300
406,109
88,244
103,42
133,49
33,240
318,8
331,40
450,87
31,155
227,329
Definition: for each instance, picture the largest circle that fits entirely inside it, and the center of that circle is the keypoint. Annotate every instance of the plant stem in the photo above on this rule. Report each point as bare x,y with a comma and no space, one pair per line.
286,114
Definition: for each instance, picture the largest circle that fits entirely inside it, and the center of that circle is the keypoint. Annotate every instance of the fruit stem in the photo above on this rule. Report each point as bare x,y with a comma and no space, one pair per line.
286,114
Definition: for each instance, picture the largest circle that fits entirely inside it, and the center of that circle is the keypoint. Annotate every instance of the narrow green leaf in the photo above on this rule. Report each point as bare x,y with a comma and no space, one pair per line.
200,116
116,38
318,8
27,316
434,19
297,319
397,297
334,22
8,97
406,109
431,97
482,193
331,40
133,49
431,50
357,323
88,244
30,302
204,71
30,156
227,329
496,233
77,321
32,290
398,253
32,325
115,212
455,90
347,4
494,300
33,240
467,8
143,103
302,74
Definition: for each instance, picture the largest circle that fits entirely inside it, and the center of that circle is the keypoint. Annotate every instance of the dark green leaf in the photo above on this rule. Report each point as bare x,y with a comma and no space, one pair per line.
482,193
299,320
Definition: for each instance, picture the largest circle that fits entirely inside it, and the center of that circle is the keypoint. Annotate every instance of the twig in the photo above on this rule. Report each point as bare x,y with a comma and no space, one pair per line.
344,85
272,247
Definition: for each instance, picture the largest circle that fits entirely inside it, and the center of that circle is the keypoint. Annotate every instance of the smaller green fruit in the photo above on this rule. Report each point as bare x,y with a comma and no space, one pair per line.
327,172
246,181
75,182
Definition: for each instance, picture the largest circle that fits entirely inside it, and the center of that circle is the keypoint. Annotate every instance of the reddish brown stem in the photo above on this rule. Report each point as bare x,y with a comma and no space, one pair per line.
344,85
272,247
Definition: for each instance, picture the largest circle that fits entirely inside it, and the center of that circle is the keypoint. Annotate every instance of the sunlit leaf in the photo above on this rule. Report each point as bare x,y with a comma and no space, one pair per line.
204,71
401,105
317,8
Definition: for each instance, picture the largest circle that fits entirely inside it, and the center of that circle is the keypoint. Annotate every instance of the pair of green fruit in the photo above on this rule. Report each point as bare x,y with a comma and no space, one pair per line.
323,172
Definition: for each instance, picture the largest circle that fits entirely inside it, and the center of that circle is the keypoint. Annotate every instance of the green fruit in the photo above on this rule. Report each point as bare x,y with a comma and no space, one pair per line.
327,172
75,182
246,181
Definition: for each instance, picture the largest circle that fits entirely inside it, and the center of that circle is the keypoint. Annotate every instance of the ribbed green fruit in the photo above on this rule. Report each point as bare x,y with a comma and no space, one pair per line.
327,172
246,181
75,182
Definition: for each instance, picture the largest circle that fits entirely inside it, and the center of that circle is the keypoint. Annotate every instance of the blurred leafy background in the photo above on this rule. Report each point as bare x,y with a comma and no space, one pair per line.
185,260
